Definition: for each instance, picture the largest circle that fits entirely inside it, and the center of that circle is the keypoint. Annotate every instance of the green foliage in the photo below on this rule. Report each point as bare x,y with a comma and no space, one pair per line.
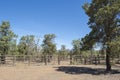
27,45
77,46
63,51
13,46
48,46
7,37
104,20
115,47
88,41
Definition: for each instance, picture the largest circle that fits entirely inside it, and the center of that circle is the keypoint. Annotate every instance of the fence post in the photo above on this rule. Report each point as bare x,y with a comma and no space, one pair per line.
45,59
95,60
0,60
85,61
13,60
24,56
29,59
58,59
98,59
91,59
71,59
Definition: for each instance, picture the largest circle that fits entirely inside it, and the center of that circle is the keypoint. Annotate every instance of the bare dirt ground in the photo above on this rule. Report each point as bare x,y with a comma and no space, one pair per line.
61,72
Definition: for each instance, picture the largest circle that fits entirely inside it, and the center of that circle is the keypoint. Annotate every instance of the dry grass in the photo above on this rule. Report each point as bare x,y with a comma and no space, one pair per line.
66,72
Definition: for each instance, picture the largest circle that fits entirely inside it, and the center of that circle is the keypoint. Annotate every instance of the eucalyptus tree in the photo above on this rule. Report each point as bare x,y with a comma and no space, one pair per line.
115,47
27,45
22,46
77,45
13,46
88,42
49,46
6,36
63,51
103,20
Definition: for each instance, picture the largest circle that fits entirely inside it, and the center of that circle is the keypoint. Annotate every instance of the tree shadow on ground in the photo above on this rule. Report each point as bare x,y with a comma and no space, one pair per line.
85,70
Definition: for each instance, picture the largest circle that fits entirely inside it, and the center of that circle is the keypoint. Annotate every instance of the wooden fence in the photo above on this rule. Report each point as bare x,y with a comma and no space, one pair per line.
54,60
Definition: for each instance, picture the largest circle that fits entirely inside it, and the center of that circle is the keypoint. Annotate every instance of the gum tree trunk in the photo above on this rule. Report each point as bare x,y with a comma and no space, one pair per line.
108,65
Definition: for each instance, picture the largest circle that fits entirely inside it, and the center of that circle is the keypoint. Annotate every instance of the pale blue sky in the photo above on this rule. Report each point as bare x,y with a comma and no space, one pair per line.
65,18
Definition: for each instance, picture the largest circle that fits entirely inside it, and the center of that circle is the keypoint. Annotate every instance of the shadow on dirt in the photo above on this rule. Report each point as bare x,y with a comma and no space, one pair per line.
85,70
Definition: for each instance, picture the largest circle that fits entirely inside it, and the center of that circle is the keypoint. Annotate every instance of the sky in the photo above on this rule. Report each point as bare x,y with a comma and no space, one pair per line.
64,18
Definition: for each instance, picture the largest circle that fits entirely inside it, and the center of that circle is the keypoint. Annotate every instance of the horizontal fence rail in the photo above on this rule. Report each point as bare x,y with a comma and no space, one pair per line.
54,60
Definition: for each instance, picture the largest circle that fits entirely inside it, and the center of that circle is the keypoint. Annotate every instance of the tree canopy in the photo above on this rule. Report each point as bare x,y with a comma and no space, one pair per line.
48,46
6,39
104,20
77,45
